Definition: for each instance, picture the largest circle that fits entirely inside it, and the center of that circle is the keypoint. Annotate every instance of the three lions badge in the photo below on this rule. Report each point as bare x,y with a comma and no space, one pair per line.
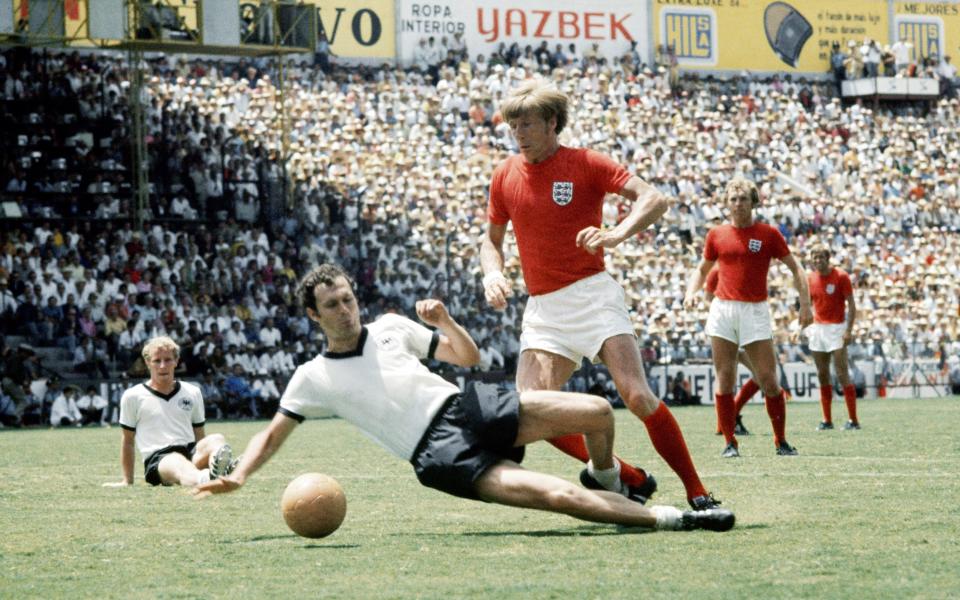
754,246
562,192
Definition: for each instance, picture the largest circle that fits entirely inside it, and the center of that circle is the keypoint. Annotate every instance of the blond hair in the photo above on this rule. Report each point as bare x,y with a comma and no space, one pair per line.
739,186
161,342
821,248
539,97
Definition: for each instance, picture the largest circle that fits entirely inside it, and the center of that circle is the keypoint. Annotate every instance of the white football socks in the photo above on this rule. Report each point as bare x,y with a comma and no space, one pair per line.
668,517
203,476
608,478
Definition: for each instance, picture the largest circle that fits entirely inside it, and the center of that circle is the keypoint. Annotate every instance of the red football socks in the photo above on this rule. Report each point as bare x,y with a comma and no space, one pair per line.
668,441
826,398
573,445
777,411
746,392
850,397
727,416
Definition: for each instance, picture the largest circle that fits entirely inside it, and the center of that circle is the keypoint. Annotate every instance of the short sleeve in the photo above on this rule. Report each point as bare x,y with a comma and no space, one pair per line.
129,406
496,208
846,287
710,246
610,175
779,247
299,396
198,414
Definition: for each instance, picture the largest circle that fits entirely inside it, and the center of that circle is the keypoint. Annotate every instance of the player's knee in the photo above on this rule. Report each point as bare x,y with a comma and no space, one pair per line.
641,402
599,408
215,440
769,386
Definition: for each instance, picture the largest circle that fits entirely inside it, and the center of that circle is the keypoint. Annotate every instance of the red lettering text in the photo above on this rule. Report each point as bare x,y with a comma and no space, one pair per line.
515,18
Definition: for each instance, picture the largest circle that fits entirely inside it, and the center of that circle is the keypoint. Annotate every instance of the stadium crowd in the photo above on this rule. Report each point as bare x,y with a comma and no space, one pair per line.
388,170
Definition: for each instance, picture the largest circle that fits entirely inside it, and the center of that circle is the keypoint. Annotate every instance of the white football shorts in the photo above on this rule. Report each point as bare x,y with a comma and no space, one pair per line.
575,320
739,322
825,337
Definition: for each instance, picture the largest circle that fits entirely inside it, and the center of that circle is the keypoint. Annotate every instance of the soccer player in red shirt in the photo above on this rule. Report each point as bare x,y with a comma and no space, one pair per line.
554,197
831,291
739,314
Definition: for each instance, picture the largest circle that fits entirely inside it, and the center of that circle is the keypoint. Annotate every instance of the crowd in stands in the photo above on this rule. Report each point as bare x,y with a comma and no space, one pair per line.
900,59
387,176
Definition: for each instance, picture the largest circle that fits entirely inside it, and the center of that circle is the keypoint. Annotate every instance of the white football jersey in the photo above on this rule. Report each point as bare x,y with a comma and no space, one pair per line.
161,420
381,387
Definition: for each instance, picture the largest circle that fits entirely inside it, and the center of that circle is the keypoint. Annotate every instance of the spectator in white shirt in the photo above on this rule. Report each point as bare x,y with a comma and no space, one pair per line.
64,411
270,336
93,408
235,336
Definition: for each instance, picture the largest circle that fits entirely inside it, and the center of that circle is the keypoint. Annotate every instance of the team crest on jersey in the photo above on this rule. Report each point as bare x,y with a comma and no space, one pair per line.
754,245
185,404
562,192
387,342
831,288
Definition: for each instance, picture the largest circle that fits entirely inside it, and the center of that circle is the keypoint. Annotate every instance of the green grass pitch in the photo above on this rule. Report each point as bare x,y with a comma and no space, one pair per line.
867,514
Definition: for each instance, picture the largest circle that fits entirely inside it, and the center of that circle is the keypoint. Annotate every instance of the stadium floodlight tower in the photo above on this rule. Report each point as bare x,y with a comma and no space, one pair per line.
198,27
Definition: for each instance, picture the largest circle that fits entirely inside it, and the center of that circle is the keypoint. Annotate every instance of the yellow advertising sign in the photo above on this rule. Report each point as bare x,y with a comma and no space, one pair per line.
358,28
932,27
763,35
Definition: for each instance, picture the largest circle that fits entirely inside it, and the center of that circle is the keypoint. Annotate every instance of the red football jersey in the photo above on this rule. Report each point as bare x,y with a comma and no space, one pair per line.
828,294
743,259
549,203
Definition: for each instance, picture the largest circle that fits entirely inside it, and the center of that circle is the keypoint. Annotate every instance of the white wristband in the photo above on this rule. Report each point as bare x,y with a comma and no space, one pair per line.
492,276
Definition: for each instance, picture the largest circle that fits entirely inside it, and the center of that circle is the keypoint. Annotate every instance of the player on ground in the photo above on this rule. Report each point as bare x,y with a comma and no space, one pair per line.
165,418
468,445
739,315
830,291
554,197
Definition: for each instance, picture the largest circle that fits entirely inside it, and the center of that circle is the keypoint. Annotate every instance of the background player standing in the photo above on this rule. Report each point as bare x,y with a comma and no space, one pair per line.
739,315
831,291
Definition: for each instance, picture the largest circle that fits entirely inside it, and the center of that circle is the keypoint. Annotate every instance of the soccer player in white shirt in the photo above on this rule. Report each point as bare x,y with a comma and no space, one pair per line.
165,418
465,444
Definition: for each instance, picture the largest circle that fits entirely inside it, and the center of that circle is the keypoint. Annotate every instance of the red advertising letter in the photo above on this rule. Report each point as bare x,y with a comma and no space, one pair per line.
494,31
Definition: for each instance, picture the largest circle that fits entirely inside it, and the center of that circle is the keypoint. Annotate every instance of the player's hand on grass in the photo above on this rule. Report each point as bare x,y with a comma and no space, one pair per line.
432,312
116,484
221,485
593,238
496,290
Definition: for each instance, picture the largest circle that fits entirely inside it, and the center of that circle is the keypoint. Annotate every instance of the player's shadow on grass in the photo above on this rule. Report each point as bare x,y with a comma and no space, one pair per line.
266,538
586,531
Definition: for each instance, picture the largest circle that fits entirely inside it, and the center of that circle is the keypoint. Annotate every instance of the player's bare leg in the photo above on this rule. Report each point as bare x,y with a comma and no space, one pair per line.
542,370
764,361
841,364
622,357
725,363
176,469
548,414
822,361
206,448
510,484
